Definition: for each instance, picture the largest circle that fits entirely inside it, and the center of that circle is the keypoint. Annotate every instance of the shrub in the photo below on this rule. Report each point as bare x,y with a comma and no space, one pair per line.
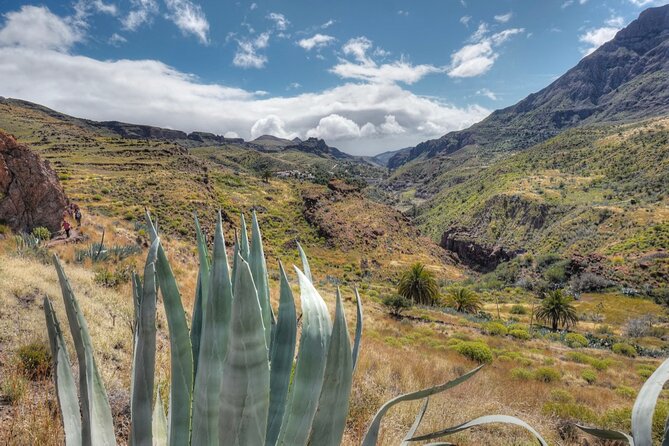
555,337
575,340
4,229
14,387
645,370
521,374
34,359
570,411
638,327
626,392
518,309
556,273
474,350
622,348
547,374
562,396
495,329
519,333
604,330
545,260
41,233
396,304
589,282
589,376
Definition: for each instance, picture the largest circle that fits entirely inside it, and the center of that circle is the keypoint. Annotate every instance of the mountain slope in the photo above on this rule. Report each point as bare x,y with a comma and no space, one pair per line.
625,79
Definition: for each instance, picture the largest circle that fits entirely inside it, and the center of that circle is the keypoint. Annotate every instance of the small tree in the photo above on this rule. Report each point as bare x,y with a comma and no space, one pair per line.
419,285
396,304
557,309
266,175
464,300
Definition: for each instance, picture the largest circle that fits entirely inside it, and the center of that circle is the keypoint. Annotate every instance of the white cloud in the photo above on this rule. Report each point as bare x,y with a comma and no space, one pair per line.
247,55
271,125
327,24
365,68
253,6
487,93
231,134
117,40
465,19
403,12
189,18
597,37
335,127
142,12
38,27
84,8
641,3
503,18
390,126
615,21
316,41
293,86
476,58
280,21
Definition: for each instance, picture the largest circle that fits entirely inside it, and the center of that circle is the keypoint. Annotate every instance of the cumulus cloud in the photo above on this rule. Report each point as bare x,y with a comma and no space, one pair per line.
363,66
503,18
280,21
596,37
271,125
487,93
38,27
247,55
316,41
465,19
142,12
478,56
189,18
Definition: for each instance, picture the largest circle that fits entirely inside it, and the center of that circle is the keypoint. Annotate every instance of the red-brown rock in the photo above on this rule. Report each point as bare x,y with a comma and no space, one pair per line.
30,194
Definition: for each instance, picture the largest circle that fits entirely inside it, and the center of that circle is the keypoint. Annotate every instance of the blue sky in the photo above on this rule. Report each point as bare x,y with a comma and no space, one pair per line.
367,76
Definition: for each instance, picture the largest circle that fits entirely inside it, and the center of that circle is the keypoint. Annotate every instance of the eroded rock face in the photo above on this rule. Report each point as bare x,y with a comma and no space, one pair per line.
30,194
476,255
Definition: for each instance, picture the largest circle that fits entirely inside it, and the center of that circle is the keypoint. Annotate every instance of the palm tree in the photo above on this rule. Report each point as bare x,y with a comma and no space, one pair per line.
464,300
557,309
419,285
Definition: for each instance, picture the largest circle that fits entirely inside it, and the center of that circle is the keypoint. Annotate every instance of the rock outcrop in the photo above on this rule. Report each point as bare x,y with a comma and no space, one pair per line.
478,256
30,194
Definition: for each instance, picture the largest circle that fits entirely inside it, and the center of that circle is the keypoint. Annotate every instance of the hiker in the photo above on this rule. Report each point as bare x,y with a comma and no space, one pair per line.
77,215
66,227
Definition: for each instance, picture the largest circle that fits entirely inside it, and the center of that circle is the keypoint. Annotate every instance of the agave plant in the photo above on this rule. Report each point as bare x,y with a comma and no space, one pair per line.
642,413
234,376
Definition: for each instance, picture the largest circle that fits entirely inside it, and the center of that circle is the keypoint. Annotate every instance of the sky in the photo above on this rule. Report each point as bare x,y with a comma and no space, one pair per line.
367,75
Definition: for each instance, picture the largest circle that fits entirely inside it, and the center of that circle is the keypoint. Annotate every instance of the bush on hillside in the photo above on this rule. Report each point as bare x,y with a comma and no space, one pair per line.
575,340
622,348
474,350
396,304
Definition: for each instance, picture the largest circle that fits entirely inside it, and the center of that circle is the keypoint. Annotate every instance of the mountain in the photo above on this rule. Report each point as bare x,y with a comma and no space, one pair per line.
626,79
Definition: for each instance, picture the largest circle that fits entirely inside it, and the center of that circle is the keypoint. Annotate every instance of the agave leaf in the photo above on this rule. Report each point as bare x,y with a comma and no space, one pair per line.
245,389
358,329
282,355
144,355
136,294
330,419
97,423
440,443
159,423
235,250
607,434
153,227
665,437
373,430
305,262
488,419
66,389
310,368
244,247
215,332
201,292
644,406
259,270
181,355
416,423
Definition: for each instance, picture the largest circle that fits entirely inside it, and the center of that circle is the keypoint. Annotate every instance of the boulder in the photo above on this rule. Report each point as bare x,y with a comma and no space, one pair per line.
30,194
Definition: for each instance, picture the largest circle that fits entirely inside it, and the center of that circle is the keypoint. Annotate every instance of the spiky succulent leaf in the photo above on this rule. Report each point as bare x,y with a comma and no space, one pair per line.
644,406
282,355
244,247
416,423
245,389
305,262
258,266
310,368
373,430
66,389
606,434
144,355
201,294
136,294
215,332
97,423
181,355
358,329
159,423
481,421
330,419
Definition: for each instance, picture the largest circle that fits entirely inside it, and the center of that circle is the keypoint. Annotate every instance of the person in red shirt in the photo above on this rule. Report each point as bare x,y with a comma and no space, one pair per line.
67,227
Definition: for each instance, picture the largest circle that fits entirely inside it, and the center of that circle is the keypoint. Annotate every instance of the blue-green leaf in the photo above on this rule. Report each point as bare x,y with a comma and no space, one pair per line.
159,423
416,422
244,247
606,434
358,329
201,294
644,406
305,262
258,266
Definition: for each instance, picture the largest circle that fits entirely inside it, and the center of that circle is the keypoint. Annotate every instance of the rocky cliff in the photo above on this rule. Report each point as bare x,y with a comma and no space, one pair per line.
30,194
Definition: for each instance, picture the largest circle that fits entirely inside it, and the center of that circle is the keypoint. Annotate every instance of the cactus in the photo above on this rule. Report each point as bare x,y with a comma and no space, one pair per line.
231,372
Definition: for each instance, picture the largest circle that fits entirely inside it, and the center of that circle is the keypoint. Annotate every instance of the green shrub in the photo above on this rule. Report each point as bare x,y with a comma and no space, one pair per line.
553,337
396,304
575,340
519,333
474,350
495,329
13,387
547,374
645,370
589,376
556,273
562,396
570,411
34,359
545,260
518,309
521,374
582,358
622,348
41,233
4,229
626,392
